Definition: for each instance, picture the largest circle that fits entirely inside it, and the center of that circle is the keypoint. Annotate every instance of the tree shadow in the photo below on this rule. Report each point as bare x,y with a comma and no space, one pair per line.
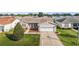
11,37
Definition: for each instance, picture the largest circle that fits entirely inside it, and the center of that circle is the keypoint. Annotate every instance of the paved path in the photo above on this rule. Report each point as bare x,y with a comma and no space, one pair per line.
49,39
32,33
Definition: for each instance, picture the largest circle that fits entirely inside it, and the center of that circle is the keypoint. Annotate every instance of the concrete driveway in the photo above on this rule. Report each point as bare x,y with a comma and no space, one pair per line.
49,39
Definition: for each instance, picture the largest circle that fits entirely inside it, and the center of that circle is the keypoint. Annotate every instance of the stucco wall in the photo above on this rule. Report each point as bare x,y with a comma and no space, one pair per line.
11,25
14,23
7,27
66,25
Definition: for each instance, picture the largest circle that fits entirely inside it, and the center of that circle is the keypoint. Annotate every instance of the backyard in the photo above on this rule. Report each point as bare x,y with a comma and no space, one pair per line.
28,40
68,37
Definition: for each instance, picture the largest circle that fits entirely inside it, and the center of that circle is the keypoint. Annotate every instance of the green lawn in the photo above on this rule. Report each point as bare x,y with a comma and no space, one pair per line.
28,40
68,37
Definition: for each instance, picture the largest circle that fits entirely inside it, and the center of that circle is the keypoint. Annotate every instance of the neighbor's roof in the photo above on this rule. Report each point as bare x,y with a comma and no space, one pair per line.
31,19
69,19
6,20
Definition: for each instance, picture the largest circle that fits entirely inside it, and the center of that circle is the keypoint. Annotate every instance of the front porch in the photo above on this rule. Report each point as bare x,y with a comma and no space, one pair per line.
33,28
32,32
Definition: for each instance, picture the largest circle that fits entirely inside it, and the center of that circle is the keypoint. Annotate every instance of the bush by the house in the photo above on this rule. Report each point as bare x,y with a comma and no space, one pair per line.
18,32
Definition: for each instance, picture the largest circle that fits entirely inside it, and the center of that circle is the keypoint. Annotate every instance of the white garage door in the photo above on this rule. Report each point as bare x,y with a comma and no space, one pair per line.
47,29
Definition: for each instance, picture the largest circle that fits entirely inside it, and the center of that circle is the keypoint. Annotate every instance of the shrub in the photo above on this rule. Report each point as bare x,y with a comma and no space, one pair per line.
18,32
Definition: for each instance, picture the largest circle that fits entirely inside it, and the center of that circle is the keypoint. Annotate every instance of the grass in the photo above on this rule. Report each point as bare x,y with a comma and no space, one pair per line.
28,40
68,37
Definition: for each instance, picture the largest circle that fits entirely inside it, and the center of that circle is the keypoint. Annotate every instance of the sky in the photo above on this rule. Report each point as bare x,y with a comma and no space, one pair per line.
39,5
37,12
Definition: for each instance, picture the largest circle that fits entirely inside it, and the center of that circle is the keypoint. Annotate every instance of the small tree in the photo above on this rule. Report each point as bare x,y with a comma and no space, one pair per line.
40,14
66,14
12,14
77,14
18,32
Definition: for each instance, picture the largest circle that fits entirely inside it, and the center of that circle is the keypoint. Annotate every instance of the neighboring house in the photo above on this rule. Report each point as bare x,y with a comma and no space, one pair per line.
67,22
38,23
7,23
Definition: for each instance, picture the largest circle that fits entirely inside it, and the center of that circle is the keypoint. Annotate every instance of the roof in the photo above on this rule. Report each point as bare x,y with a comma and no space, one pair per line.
31,19
6,20
69,19
58,17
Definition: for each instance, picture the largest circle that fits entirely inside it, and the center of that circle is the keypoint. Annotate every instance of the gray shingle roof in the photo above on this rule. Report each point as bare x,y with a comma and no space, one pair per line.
69,19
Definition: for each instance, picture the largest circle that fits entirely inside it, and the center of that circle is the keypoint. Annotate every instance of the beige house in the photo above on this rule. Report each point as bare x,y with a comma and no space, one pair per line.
38,23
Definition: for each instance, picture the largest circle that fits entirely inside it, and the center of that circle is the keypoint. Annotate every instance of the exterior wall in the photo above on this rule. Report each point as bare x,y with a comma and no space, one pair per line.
14,23
7,27
70,25
63,25
10,26
67,25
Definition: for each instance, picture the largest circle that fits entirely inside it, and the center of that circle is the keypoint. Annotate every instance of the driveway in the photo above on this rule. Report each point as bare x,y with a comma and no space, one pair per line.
49,39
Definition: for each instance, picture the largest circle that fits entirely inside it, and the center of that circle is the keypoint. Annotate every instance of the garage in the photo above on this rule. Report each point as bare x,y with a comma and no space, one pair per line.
46,27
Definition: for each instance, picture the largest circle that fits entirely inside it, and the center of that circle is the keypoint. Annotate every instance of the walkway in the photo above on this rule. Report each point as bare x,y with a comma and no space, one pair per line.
32,33
49,39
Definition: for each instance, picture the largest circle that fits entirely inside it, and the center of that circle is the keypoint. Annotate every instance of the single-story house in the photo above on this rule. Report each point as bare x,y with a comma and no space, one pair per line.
67,22
7,23
38,23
